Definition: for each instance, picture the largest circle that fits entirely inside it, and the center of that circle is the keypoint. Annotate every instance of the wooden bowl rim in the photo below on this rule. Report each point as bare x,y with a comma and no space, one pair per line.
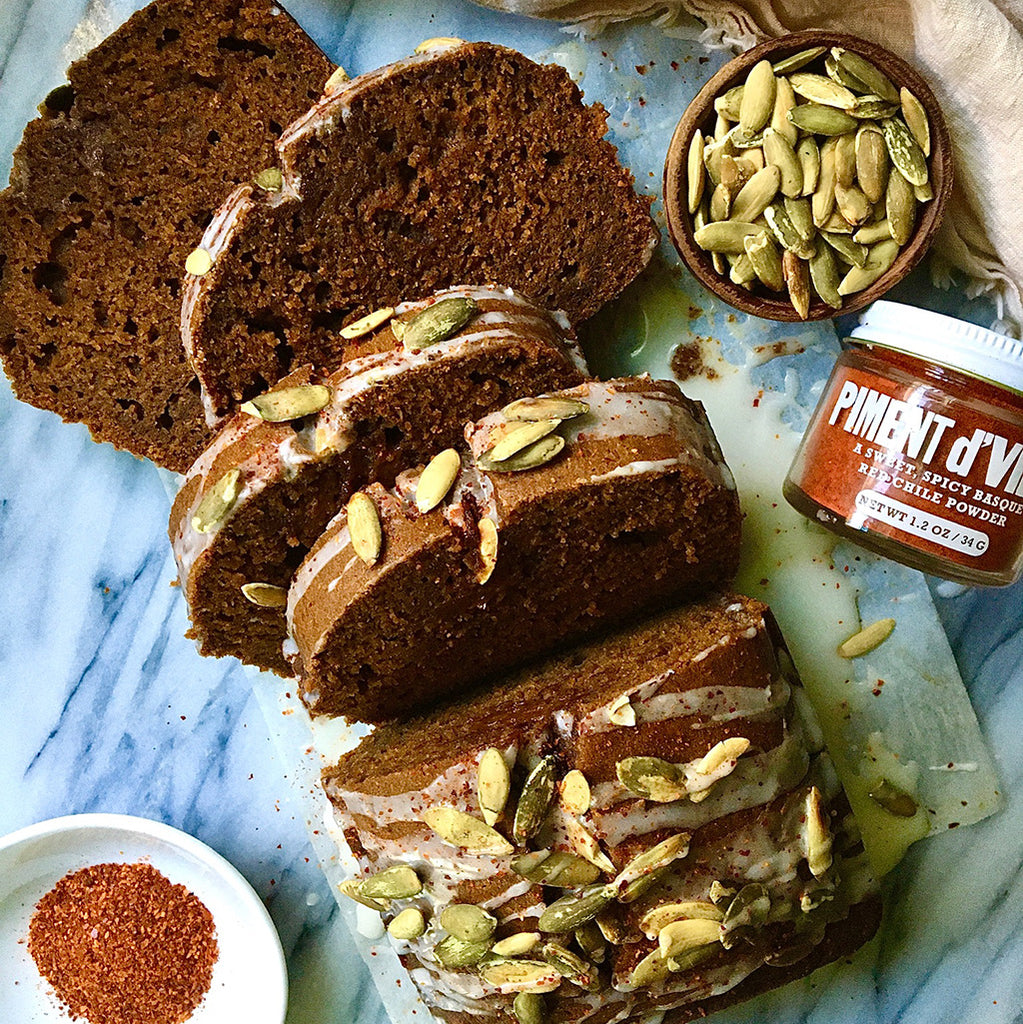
701,109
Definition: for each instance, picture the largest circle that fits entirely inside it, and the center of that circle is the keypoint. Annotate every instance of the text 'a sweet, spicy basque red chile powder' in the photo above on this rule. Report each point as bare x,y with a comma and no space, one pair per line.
915,449
121,944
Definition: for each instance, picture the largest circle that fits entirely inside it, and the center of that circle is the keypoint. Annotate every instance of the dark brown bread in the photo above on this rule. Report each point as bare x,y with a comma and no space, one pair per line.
112,187
467,164
695,680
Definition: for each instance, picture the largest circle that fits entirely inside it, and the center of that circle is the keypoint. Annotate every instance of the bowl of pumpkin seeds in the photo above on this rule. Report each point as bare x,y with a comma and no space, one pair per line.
808,176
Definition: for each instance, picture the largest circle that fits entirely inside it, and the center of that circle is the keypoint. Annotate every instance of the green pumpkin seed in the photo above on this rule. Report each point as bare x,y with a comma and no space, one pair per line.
537,454
590,940
269,180
681,936
408,925
915,116
571,967
435,323
652,778
529,1008
366,324
821,89
801,215
720,203
879,261
853,251
452,952
337,78
517,944
364,527
463,830
396,883
726,750
742,140
656,859
467,922
696,173
785,232
822,201
766,260
288,403
722,126
845,159
894,800
816,835
871,162
852,204
798,60
797,280
837,224
351,887
725,236
575,792
573,911
905,154
521,976
649,971
821,120
862,70
779,153
654,920
547,407
535,801
493,784
784,101
839,74
871,107
560,868
809,156
824,275
924,193
754,196
900,205
436,479
217,502
521,435
735,172
750,908
729,102
265,595
690,958
867,639
757,99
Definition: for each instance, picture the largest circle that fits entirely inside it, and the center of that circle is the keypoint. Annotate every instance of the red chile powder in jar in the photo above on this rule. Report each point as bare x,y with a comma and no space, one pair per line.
121,944
915,449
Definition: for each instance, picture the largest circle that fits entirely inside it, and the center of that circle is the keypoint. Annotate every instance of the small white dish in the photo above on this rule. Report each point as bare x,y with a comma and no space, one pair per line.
250,980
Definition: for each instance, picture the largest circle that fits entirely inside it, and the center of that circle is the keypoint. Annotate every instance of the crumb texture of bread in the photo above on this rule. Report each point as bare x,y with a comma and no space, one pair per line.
468,164
113,185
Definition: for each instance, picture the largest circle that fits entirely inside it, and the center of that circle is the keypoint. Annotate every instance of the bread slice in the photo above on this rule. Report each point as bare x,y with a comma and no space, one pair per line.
388,406
113,185
470,163
526,553
552,777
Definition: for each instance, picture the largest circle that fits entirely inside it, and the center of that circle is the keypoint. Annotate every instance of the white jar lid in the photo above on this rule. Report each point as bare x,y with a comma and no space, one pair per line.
944,339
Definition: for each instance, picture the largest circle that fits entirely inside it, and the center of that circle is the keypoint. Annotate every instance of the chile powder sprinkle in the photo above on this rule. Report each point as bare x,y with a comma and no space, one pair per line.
121,944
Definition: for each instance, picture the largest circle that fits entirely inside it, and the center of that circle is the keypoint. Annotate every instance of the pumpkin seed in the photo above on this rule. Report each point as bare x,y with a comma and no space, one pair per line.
520,436
696,173
610,925
438,43
575,792
839,74
821,89
528,864
821,120
217,502
407,925
337,78
845,159
750,907
798,60
713,154
721,893
801,216
560,868
517,944
754,157
766,260
755,195
463,830
779,153
654,920
682,936
621,711
531,457
871,107
726,750
684,961
585,845
724,236
809,155
488,549
900,205
265,595
729,102
552,407
535,801
452,952
652,778
529,1008
915,116
467,922
854,252
198,262
435,323
571,967
854,206
894,800
521,976
649,971
590,940
722,126
784,101
817,836
436,479
743,140
871,162
269,180
924,193
785,232
757,99
905,154
797,280
824,275
367,323
288,403
867,639
396,883
863,71
822,201
735,172
364,527
720,203
573,911
837,224
742,271
879,261
493,784
351,887
657,858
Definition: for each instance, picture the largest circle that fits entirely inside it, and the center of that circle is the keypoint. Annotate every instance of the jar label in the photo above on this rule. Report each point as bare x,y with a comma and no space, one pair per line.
928,471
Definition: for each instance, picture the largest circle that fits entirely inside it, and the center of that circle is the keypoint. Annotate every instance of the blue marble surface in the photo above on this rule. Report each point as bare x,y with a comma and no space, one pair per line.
108,708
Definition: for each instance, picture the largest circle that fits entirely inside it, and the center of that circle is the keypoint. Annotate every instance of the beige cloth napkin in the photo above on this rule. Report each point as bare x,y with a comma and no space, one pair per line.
970,52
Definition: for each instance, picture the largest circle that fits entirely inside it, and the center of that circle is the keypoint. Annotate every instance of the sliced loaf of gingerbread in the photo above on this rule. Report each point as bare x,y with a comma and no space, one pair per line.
466,163
575,511
112,187
646,824
259,496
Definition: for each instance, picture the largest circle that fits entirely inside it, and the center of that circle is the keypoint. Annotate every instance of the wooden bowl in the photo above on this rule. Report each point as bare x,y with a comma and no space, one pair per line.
700,115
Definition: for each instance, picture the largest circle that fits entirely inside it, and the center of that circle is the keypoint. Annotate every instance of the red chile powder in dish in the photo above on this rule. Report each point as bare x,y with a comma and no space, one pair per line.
121,944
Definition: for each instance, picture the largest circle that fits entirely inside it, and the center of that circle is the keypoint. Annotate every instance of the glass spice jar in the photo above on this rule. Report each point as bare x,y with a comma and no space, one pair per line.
915,449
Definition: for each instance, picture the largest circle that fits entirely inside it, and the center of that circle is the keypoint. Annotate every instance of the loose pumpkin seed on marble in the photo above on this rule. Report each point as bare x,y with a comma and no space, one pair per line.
265,595
915,116
894,800
757,100
534,801
436,479
493,784
364,527
867,639
217,502
463,830
287,404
